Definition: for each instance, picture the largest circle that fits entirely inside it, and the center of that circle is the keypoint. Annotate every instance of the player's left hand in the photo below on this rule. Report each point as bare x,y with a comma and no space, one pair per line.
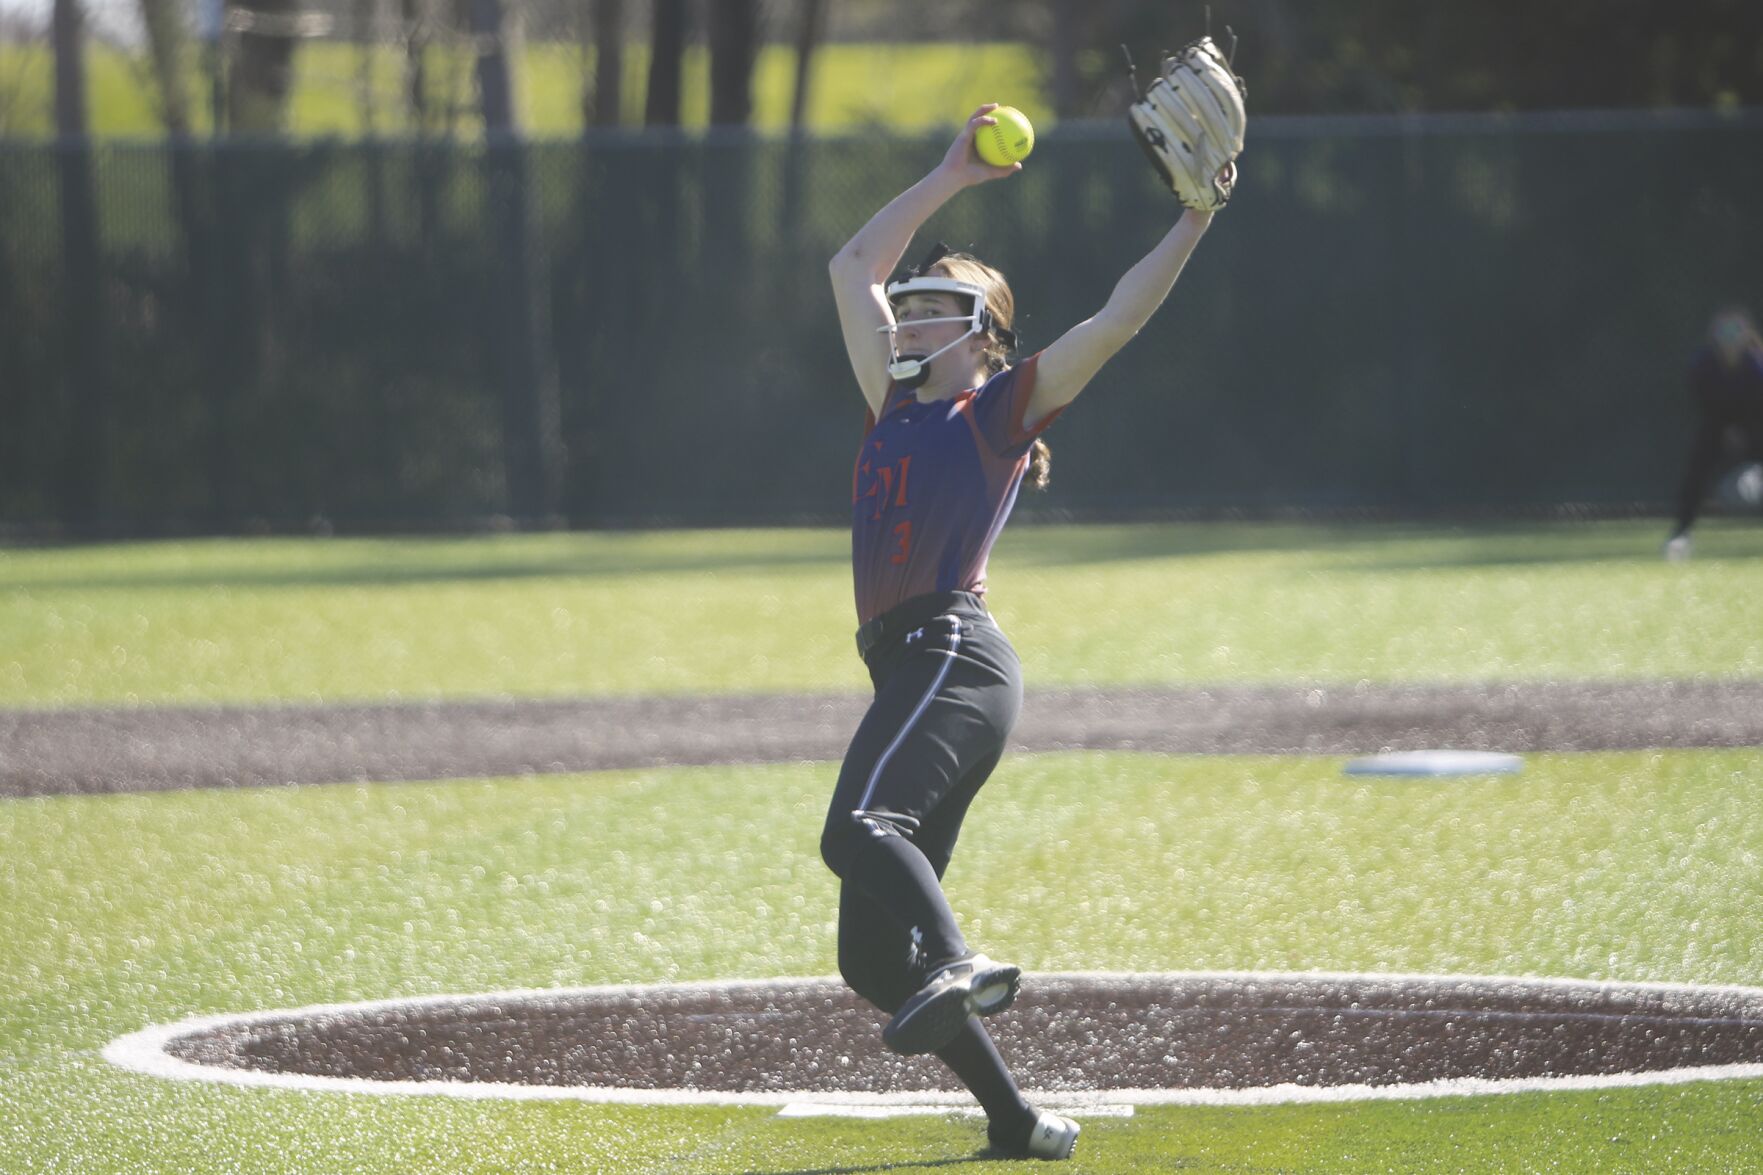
1190,124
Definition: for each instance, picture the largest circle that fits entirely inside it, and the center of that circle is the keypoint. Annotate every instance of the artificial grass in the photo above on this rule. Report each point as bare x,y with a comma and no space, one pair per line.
770,610
125,910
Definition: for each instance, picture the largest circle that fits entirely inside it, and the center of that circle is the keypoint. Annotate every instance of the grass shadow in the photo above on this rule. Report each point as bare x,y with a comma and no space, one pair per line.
391,565
1045,546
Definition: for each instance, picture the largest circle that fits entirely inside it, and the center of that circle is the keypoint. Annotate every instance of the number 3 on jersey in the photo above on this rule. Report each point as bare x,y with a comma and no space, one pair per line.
889,489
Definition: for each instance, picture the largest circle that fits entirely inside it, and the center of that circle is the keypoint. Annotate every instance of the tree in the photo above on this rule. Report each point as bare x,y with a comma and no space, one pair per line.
414,18
166,43
262,71
600,101
810,28
496,31
520,345
366,14
85,394
1066,40
809,31
667,50
734,49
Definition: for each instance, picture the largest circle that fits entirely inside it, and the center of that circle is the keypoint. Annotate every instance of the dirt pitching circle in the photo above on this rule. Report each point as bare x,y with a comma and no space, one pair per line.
1138,1039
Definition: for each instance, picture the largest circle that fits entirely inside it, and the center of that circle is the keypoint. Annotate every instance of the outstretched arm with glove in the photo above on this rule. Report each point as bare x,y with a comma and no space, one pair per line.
1190,124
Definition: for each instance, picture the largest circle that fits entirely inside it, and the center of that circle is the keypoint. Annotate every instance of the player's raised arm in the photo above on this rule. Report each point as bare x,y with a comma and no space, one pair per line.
1071,361
1190,124
860,270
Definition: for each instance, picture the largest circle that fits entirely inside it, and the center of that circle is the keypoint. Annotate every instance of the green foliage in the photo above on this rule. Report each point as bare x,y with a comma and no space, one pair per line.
897,86
1352,57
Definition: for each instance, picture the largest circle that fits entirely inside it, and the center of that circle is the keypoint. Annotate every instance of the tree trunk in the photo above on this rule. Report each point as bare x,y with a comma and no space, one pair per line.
734,49
497,33
1066,42
809,30
165,50
808,33
518,319
413,16
68,30
192,176
86,440
367,105
667,50
601,102
263,65
253,196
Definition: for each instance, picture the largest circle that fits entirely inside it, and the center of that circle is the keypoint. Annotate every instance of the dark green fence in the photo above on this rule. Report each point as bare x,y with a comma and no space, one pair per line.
1411,316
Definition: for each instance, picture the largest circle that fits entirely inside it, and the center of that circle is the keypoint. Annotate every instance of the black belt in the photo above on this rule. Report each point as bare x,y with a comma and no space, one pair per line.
901,619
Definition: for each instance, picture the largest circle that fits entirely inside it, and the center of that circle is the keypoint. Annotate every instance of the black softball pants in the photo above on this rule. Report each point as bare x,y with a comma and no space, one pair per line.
948,687
1718,445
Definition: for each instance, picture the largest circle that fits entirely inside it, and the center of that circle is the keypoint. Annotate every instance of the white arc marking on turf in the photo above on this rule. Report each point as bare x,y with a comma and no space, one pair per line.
1071,1109
147,1052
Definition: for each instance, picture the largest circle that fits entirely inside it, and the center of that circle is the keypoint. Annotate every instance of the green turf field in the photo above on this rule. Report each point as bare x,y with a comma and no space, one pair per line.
899,86
122,911
729,611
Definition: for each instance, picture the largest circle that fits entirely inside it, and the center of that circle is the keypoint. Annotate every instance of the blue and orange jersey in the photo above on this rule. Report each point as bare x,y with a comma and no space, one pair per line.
933,485
1729,395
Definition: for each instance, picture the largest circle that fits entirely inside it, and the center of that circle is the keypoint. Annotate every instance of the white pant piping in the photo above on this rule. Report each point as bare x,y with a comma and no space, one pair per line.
875,773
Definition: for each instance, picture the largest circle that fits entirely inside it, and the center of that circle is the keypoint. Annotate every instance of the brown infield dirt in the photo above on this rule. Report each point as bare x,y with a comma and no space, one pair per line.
1066,1033
53,752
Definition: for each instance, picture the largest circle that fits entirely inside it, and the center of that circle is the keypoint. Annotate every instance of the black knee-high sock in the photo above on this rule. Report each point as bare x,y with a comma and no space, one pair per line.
976,1060
892,872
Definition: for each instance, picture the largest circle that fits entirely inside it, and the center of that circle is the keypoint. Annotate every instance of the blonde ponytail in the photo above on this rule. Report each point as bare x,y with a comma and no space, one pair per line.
1040,465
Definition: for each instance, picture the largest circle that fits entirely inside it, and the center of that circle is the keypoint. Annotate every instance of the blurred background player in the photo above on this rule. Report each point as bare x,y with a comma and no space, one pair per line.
1726,382
951,433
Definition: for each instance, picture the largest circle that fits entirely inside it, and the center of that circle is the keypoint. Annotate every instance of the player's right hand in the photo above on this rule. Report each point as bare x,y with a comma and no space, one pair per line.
962,159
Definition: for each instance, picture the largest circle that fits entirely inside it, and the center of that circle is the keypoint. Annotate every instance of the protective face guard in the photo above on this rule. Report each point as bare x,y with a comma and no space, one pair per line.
1731,332
912,371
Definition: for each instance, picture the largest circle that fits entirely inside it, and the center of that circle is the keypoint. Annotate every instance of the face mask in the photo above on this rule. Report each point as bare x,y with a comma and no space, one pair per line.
910,371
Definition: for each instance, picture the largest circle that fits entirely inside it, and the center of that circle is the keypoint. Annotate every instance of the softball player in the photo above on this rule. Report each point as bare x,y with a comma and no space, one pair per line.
1726,378
951,432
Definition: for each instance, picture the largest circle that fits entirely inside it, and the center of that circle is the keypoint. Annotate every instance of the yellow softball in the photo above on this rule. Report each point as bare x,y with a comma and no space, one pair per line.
1007,141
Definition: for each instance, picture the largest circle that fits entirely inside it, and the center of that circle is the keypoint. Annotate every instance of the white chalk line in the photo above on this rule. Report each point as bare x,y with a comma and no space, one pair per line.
1071,1109
146,1051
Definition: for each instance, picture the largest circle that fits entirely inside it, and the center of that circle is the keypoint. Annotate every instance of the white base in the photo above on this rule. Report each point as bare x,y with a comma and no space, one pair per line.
1436,763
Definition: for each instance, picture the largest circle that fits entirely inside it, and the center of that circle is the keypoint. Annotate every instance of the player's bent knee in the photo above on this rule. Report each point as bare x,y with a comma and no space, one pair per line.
845,836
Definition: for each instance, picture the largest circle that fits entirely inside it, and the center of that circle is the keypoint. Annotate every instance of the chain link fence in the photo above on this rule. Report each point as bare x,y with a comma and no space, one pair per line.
1402,316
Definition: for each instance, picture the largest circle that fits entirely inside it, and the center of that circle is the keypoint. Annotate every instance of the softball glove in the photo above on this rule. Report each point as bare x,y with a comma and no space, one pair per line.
1190,124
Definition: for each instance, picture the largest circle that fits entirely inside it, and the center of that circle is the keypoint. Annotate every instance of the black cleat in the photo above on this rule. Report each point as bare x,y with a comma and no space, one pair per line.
973,986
